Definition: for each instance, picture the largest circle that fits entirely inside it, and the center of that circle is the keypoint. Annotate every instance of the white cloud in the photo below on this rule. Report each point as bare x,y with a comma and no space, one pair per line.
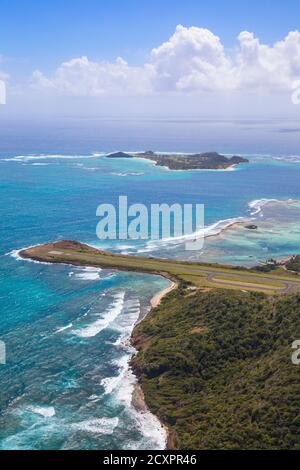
263,66
192,60
3,78
83,77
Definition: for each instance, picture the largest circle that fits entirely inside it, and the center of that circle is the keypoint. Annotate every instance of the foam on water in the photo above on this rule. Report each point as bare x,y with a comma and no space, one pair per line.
257,205
209,231
151,428
106,319
255,209
45,411
16,255
125,322
41,164
127,174
30,158
86,274
121,387
63,328
97,425
112,383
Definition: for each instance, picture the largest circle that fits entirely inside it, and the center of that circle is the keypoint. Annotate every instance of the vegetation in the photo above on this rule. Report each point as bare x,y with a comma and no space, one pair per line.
215,367
269,266
294,264
197,274
200,161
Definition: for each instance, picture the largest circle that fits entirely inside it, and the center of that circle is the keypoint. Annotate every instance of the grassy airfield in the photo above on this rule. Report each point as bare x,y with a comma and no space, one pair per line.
279,281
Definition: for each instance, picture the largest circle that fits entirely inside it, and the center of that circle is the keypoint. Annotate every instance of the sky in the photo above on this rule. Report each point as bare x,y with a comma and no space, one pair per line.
193,57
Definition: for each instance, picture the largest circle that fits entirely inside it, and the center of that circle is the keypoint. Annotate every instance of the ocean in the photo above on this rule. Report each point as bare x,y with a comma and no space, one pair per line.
67,382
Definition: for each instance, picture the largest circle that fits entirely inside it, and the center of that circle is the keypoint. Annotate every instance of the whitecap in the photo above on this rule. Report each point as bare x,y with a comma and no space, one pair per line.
209,231
149,425
30,158
63,328
86,274
16,255
257,205
122,387
40,164
255,209
45,411
106,319
125,322
98,425
93,397
111,384
128,174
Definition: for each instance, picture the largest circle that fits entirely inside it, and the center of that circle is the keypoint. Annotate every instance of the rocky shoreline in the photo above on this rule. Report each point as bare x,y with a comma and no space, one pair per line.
138,396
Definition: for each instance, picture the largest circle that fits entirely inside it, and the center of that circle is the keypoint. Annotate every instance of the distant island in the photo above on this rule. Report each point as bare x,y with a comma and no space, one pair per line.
198,161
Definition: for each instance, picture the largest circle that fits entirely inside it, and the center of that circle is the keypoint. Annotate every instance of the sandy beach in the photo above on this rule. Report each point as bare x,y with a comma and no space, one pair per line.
155,301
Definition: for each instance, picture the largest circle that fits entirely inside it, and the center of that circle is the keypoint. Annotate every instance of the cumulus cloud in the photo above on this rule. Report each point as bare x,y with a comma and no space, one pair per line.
192,60
3,76
272,67
84,77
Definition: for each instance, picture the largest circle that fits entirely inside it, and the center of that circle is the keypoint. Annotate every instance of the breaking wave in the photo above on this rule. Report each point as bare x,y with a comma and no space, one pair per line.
257,205
106,319
97,425
86,274
35,158
255,208
45,411
63,328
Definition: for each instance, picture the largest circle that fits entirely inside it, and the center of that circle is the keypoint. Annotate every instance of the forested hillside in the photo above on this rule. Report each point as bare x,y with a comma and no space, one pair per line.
216,368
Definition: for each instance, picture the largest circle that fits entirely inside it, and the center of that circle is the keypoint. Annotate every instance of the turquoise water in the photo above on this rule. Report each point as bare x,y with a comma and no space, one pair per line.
66,383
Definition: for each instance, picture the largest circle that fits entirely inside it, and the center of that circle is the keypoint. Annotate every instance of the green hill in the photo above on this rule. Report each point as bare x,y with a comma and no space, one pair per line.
215,367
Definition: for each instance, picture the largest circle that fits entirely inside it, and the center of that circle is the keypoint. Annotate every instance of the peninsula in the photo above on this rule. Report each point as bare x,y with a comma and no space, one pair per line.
192,273
199,161
214,355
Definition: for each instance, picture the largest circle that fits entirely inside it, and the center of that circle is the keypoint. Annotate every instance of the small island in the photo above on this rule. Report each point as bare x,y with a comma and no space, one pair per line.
198,161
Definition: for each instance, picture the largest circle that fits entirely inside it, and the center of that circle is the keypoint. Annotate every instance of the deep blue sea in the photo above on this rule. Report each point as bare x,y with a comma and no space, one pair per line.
66,383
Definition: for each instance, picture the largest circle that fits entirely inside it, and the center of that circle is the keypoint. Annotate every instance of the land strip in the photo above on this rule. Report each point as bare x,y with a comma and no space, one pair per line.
198,274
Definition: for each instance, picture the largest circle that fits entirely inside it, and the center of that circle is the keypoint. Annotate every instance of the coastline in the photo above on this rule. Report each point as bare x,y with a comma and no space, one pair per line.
75,253
232,167
139,403
138,396
157,298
